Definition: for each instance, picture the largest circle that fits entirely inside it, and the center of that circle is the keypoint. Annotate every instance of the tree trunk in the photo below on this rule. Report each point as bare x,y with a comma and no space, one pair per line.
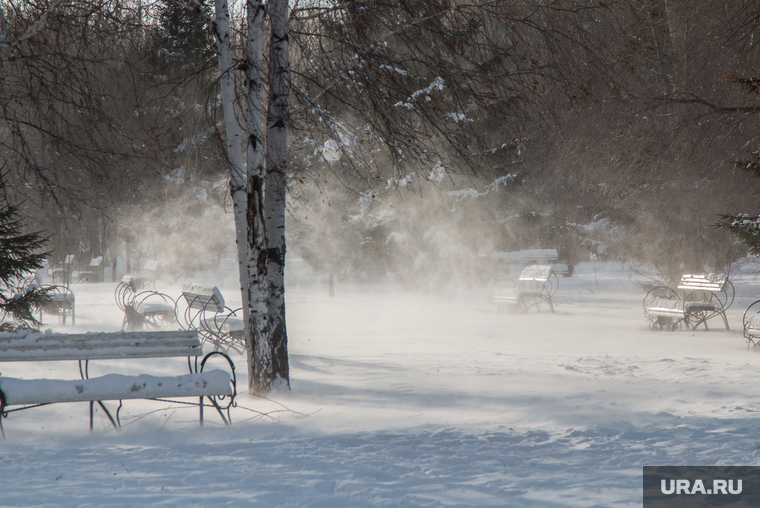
279,88
234,153
257,325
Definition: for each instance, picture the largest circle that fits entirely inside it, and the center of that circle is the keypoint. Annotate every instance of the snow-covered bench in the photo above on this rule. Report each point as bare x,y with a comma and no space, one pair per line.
143,309
92,272
751,323
217,386
536,285
62,301
62,273
702,297
205,312
536,257
146,276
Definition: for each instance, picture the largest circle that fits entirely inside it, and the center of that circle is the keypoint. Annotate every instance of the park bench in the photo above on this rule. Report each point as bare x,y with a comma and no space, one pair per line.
62,272
696,299
536,257
62,303
146,276
536,285
217,386
92,272
751,324
203,309
143,309
62,299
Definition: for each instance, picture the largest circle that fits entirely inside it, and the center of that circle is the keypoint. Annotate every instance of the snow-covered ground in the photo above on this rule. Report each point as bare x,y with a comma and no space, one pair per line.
401,399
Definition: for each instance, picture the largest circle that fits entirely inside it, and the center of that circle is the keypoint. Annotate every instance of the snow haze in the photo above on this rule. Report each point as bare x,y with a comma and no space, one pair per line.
403,399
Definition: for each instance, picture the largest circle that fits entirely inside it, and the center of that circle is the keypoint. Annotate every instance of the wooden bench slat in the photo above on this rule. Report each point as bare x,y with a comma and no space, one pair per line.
665,306
146,342
103,337
707,282
202,297
539,273
93,354
114,387
98,346
704,286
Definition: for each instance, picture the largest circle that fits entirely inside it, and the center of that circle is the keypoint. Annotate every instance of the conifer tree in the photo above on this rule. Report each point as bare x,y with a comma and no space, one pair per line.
184,38
745,226
20,254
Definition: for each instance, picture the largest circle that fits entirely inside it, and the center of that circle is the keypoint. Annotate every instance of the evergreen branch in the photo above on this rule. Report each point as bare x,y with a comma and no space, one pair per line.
745,227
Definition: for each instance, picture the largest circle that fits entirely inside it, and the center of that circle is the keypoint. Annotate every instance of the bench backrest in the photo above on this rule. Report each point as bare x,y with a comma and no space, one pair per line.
703,282
530,257
150,265
203,298
539,273
130,283
25,347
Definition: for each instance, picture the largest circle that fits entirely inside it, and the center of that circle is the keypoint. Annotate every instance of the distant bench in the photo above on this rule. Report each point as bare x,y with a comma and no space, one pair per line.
206,313
92,272
146,276
143,309
62,301
215,385
536,257
536,285
702,297
751,324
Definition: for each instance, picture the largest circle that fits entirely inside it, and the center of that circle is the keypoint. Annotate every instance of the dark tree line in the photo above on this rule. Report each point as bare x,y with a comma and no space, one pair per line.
106,107
618,123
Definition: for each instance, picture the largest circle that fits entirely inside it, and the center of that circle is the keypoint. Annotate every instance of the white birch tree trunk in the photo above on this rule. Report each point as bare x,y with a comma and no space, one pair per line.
277,119
234,147
260,352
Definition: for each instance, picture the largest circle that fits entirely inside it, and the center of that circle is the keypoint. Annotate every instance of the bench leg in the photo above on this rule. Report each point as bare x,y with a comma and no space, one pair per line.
115,423
725,321
703,317
3,414
660,322
219,410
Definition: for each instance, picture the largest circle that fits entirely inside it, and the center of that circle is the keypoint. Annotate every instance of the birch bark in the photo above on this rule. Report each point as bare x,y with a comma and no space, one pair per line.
257,320
234,144
277,119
